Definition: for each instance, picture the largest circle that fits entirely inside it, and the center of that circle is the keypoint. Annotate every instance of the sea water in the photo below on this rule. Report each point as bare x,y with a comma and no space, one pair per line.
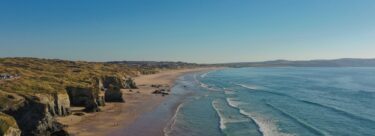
277,102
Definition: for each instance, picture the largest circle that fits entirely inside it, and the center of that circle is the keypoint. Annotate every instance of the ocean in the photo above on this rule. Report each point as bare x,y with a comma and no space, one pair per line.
276,102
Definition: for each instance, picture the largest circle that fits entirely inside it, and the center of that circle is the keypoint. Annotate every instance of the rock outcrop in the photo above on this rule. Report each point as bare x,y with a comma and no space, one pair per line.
33,92
58,104
113,95
34,114
112,86
8,126
161,89
34,117
90,98
130,84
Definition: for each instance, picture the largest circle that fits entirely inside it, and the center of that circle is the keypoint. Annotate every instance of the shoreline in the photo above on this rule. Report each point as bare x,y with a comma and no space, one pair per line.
117,117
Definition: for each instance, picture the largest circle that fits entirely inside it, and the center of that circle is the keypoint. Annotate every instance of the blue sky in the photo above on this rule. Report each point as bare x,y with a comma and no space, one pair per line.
203,31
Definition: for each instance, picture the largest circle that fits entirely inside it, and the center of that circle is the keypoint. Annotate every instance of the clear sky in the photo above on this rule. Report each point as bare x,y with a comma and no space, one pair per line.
203,31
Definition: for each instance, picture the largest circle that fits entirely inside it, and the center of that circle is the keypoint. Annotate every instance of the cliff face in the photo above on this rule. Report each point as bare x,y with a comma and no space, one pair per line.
8,125
130,84
89,98
57,104
35,114
43,89
105,89
35,118
112,86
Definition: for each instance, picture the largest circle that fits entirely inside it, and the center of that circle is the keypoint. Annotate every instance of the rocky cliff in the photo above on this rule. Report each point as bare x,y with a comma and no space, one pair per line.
130,84
35,114
90,98
112,86
57,104
45,89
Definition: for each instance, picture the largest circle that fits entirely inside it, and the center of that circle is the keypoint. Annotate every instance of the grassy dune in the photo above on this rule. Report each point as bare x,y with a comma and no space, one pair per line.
6,122
51,76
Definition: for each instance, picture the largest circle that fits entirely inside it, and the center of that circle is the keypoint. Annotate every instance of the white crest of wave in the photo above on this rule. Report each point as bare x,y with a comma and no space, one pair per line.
221,116
252,87
224,119
204,75
171,124
203,85
266,126
234,103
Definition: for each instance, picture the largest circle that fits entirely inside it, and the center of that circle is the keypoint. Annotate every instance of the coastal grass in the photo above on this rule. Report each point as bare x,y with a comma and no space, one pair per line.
10,101
53,76
6,122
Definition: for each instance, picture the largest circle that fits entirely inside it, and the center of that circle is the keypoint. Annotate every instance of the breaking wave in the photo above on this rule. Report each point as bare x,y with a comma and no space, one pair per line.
168,129
265,126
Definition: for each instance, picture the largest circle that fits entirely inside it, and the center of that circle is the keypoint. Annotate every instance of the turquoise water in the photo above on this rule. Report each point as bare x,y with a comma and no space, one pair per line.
277,102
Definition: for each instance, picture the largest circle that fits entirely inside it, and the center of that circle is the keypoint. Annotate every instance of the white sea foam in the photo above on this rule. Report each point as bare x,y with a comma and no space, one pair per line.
224,119
203,85
228,91
234,103
266,126
252,87
171,124
195,78
221,116
205,74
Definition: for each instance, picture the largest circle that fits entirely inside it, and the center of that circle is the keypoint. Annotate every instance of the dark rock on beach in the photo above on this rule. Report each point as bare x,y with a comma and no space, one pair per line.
86,97
112,87
163,92
130,84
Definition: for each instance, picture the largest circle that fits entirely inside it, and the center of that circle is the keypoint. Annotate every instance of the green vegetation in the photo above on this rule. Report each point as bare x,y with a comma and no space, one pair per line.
25,81
51,76
9,100
6,122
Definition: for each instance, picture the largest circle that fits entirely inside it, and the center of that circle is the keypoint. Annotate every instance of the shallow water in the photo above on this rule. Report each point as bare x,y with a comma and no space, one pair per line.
276,102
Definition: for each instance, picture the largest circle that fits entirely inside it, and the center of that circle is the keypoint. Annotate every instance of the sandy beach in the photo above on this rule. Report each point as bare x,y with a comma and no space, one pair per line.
118,116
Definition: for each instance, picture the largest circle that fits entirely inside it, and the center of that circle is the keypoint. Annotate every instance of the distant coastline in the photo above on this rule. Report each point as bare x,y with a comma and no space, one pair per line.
345,62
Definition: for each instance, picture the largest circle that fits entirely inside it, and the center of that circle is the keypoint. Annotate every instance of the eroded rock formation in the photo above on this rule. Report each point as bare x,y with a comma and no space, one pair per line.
34,115
90,98
112,86
130,84
58,104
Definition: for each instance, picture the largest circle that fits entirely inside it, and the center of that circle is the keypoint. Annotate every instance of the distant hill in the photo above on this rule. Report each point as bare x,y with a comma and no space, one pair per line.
346,62
156,64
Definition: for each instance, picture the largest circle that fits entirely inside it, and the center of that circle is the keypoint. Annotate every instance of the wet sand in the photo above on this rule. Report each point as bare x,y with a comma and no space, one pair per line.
115,118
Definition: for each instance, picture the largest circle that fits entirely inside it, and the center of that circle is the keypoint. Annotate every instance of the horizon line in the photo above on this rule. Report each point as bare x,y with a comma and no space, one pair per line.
107,61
